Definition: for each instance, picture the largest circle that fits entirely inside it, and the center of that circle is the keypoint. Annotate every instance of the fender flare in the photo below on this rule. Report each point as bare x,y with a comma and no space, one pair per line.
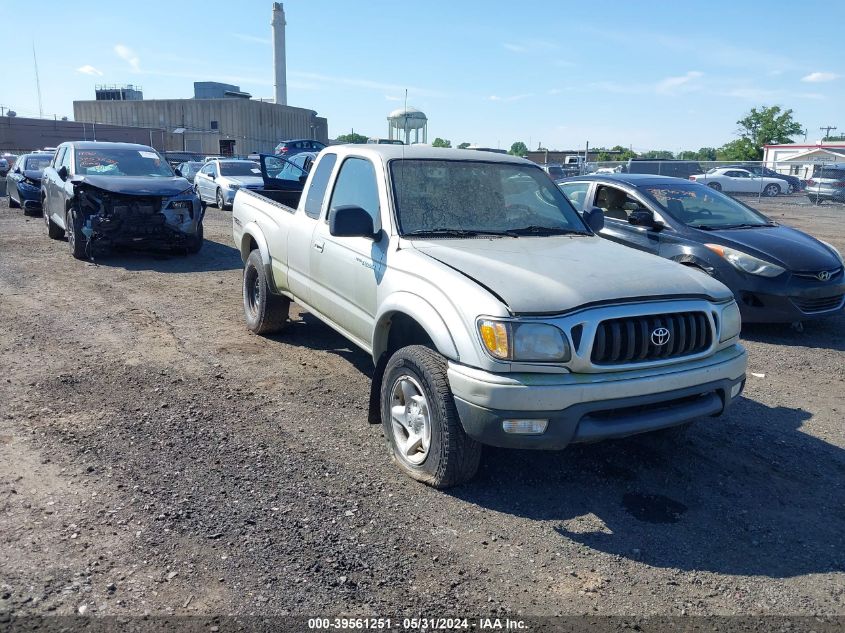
252,231
423,312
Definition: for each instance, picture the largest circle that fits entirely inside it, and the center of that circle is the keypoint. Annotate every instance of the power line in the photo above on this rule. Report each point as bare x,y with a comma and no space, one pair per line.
826,129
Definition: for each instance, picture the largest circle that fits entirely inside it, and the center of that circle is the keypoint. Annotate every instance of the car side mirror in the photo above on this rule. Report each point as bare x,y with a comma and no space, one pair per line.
594,219
63,172
350,221
177,171
644,217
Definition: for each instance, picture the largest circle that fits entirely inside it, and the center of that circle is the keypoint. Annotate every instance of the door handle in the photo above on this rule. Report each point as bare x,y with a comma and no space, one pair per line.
319,246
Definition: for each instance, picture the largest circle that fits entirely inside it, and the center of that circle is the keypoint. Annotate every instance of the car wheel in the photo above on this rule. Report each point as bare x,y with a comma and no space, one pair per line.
265,312
791,188
54,231
424,433
195,242
76,239
13,204
771,190
220,200
714,185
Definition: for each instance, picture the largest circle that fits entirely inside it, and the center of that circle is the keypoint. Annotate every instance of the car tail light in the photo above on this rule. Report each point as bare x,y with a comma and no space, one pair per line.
811,183
841,183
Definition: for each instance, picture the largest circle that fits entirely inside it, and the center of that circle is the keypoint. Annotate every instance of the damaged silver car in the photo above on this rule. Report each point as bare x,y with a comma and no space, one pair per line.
104,195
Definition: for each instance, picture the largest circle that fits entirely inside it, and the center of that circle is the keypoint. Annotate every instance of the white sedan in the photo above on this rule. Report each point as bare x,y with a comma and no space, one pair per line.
741,181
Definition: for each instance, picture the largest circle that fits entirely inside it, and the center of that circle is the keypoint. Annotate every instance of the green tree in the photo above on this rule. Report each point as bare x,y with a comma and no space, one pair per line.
615,153
740,149
518,149
657,153
463,145
441,142
766,126
352,137
688,155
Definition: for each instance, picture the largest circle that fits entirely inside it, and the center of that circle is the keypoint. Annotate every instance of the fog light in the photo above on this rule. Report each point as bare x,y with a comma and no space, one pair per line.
525,427
736,389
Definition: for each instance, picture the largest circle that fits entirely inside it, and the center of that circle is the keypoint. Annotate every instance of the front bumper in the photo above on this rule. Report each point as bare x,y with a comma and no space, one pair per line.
591,407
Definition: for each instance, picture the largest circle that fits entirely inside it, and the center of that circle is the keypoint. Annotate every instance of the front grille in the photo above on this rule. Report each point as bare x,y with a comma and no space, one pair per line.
818,305
629,339
815,275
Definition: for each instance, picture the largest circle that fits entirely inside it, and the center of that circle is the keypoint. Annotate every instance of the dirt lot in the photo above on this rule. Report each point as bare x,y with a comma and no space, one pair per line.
155,457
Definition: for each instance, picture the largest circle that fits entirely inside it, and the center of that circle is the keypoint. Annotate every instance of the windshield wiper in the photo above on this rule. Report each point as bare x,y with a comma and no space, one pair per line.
720,227
444,232
535,229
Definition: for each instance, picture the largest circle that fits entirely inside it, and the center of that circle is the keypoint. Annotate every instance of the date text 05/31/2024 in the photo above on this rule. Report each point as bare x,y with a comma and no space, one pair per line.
416,624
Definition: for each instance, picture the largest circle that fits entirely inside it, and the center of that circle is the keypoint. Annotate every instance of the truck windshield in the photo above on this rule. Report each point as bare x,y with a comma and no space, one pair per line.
121,162
703,208
460,198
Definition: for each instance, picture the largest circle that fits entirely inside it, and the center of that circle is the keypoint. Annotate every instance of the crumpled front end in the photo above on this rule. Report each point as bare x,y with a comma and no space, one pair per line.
110,219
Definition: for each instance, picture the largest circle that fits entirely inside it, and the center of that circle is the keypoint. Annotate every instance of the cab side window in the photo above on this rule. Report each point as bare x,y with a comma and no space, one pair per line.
317,188
66,159
57,159
356,185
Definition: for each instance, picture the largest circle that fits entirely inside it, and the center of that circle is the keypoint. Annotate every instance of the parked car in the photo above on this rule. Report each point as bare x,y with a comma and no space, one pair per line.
827,183
795,183
219,179
288,169
554,170
188,170
23,182
118,194
741,181
7,161
176,158
777,273
289,148
445,266
663,167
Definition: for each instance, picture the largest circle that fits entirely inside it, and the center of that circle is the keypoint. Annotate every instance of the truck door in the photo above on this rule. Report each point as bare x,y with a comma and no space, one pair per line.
301,234
346,271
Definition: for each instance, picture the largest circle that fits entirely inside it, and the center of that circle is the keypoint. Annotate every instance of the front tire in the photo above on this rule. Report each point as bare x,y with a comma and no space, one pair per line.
264,311
715,186
424,434
220,200
195,242
76,239
771,190
13,204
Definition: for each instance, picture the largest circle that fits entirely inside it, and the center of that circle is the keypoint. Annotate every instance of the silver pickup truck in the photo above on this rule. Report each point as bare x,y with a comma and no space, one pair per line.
492,311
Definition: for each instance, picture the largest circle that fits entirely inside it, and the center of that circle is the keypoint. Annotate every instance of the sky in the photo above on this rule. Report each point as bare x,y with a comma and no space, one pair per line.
646,75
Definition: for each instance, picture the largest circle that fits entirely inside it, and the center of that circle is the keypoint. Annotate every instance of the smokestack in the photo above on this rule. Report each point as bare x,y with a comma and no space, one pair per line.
280,71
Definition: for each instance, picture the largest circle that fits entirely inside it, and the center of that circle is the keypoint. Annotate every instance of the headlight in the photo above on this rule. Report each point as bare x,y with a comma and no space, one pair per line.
36,185
746,262
181,204
833,248
731,322
528,342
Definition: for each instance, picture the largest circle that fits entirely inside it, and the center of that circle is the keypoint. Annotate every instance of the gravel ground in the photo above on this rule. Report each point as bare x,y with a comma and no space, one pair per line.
156,457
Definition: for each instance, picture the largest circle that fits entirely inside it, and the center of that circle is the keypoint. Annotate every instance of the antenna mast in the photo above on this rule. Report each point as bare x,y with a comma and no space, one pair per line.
37,82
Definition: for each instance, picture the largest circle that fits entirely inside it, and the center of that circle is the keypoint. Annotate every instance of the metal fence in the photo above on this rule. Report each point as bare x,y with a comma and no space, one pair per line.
798,181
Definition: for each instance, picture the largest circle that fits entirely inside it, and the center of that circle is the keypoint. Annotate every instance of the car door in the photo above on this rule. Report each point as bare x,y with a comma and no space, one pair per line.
739,181
203,180
346,271
49,179
617,204
64,188
14,177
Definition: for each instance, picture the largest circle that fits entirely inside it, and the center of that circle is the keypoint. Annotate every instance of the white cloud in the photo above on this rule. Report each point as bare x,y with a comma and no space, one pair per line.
818,77
128,55
684,83
87,69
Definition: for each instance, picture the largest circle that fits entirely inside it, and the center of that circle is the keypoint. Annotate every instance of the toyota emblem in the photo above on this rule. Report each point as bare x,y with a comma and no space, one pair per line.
824,276
660,336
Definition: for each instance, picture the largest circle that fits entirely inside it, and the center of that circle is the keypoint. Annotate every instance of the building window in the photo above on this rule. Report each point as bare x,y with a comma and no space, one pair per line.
214,125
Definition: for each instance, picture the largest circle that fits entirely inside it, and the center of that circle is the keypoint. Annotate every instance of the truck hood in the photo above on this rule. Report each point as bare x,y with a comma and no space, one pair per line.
551,275
792,249
136,185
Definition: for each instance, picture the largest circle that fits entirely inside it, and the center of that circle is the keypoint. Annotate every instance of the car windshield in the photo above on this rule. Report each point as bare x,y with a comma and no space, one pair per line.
702,207
121,162
37,162
458,198
240,168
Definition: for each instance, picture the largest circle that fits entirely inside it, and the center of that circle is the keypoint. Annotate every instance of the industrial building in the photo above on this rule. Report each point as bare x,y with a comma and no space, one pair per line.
128,92
220,119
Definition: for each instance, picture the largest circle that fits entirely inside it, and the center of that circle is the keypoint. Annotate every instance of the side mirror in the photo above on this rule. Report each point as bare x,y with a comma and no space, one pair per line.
211,176
350,221
63,172
177,171
594,219
644,217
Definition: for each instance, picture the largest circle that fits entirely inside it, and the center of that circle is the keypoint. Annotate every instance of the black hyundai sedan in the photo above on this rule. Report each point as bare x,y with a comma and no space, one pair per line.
777,273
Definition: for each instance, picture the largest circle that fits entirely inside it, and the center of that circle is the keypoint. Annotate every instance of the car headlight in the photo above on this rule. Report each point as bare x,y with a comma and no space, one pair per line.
731,322
181,204
528,342
745,262
833,248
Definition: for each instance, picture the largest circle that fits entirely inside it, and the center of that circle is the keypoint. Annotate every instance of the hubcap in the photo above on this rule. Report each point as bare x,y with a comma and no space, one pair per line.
410,420
252,290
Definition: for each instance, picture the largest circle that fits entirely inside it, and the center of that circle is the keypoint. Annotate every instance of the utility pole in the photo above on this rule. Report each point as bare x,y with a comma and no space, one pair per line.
826,129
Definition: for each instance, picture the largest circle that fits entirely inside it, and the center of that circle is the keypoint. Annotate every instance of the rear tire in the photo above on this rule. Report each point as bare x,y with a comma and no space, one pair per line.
265,312
715,186
76,239
424,434
771,190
